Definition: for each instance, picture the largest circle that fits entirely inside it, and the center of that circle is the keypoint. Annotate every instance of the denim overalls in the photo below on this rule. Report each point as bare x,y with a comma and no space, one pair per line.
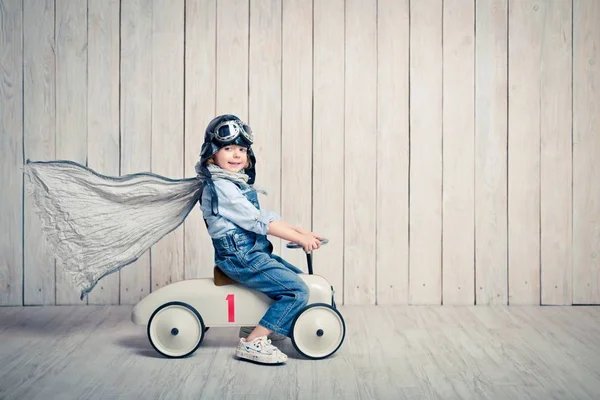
247,258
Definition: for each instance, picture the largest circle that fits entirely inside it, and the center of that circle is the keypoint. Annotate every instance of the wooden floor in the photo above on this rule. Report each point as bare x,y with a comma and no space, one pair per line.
390,353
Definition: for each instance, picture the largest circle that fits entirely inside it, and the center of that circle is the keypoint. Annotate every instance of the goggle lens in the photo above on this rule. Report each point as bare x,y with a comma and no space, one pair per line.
229,130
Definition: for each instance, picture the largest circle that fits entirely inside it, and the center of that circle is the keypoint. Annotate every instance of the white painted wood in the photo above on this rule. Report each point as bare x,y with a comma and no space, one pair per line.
526,22
71,43
167,125
39,142
264,114
11,149
103,111
556,208
420,352
586,152
232,66
242,69
296,117
425,152
200,91
458,240
490,152
136,122
328,138
360,146
392,151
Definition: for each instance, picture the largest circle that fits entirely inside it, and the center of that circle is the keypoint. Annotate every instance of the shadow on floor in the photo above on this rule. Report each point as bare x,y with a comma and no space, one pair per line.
213,338
140,345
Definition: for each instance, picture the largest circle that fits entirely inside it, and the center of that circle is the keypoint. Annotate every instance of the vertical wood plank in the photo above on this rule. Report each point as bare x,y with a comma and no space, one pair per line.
490,152
586,152
425,152
200,92
103,110
525,21
556,206
136,122
71,103
296,114
458,240
167,125
232,75
360,184
392,151
265,101
11,148
39,141
328,139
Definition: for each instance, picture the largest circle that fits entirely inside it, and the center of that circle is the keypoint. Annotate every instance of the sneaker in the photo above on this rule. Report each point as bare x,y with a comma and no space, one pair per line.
246,330
260,350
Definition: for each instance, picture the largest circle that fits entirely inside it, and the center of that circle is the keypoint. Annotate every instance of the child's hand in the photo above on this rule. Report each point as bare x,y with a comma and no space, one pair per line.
316,236
310,241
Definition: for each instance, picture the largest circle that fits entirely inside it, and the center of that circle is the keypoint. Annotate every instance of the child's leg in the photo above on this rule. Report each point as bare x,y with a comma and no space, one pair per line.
268,247
287,264
251,332
258,331
245,331
280,283
265,274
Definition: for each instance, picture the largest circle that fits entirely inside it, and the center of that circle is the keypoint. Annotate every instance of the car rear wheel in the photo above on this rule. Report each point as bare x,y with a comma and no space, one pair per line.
176,329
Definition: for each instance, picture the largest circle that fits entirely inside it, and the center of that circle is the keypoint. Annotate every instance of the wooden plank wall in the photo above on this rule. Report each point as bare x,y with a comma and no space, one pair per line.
458,152
449,149
39,93
136,122
586,153
491,119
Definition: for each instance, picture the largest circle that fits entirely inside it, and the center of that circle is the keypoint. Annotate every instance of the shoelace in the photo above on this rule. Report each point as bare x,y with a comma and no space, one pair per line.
265,344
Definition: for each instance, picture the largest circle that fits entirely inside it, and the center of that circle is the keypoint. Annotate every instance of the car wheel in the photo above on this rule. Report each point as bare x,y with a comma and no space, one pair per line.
176,329
318,331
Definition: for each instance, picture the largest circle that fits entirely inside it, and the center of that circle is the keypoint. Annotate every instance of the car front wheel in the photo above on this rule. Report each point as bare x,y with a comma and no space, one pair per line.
318,331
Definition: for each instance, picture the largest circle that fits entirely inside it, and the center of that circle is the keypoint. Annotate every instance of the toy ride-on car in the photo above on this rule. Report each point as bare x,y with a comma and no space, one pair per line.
179,314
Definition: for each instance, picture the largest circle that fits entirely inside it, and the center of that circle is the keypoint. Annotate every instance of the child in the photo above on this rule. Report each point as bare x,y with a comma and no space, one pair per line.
78,206
238,228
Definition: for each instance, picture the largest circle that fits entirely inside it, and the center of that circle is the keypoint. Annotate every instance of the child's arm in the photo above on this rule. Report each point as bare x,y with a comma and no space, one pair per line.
235,207
301,230
286,231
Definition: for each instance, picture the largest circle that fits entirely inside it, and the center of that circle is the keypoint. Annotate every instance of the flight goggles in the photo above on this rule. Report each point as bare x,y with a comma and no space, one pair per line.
228,131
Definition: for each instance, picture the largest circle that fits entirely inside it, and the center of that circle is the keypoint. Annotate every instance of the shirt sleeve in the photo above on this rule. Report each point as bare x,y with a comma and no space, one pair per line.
235,207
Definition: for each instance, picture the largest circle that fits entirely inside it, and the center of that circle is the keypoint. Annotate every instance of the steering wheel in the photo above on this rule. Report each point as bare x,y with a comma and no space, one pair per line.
292,245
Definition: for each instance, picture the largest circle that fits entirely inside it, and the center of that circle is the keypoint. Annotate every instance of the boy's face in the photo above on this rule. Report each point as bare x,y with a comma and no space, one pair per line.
232,158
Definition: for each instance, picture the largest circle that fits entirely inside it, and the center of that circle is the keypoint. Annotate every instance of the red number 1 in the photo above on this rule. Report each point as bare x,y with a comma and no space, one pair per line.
230,307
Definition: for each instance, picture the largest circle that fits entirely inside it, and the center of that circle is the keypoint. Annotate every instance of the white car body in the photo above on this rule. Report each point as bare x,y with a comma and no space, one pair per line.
223,306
